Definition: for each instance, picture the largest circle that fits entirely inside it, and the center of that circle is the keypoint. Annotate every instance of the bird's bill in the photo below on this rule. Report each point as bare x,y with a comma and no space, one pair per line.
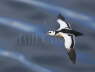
47,33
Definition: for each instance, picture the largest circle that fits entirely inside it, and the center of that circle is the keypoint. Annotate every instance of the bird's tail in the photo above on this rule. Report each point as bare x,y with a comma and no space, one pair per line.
76,33
72,55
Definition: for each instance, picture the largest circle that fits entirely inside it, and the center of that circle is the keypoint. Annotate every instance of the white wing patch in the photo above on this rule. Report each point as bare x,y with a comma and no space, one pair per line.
63,24
68,41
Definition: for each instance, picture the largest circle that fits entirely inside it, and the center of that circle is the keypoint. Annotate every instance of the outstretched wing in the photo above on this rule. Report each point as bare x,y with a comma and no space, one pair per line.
62,22
69,44
69,41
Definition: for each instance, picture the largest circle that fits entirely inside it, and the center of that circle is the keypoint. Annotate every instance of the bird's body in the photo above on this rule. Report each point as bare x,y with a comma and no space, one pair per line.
65,31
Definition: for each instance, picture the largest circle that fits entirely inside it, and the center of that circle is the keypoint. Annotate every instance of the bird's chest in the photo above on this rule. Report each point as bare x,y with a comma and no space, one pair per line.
60,34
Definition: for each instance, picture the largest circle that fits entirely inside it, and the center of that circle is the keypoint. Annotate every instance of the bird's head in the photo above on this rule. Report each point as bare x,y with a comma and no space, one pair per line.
51,33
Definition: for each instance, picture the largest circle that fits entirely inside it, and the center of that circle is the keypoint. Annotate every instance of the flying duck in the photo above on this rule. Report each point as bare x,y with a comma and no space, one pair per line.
65,31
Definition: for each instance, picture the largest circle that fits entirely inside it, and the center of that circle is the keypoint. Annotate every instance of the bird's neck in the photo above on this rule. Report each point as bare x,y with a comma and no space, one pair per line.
56,32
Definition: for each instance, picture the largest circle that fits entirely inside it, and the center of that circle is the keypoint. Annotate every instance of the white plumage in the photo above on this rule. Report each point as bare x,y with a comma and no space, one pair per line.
65,31
63,24
68,39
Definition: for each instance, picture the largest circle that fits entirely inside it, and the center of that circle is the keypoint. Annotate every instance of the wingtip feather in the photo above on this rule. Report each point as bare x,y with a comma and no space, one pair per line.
61,17
72,55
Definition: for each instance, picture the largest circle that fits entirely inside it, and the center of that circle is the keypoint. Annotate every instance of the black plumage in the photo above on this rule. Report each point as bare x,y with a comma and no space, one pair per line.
72,55
76,33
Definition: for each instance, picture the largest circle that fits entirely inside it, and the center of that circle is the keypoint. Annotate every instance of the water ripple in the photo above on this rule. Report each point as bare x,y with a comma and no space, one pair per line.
21,58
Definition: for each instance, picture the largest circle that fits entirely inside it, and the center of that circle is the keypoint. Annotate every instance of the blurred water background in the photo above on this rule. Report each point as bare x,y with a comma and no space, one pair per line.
25,46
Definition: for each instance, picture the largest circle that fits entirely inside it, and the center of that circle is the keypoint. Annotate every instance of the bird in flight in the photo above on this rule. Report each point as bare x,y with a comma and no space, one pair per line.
65,31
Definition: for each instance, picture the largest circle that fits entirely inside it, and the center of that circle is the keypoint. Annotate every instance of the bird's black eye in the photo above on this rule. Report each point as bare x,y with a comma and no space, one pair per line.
49,32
